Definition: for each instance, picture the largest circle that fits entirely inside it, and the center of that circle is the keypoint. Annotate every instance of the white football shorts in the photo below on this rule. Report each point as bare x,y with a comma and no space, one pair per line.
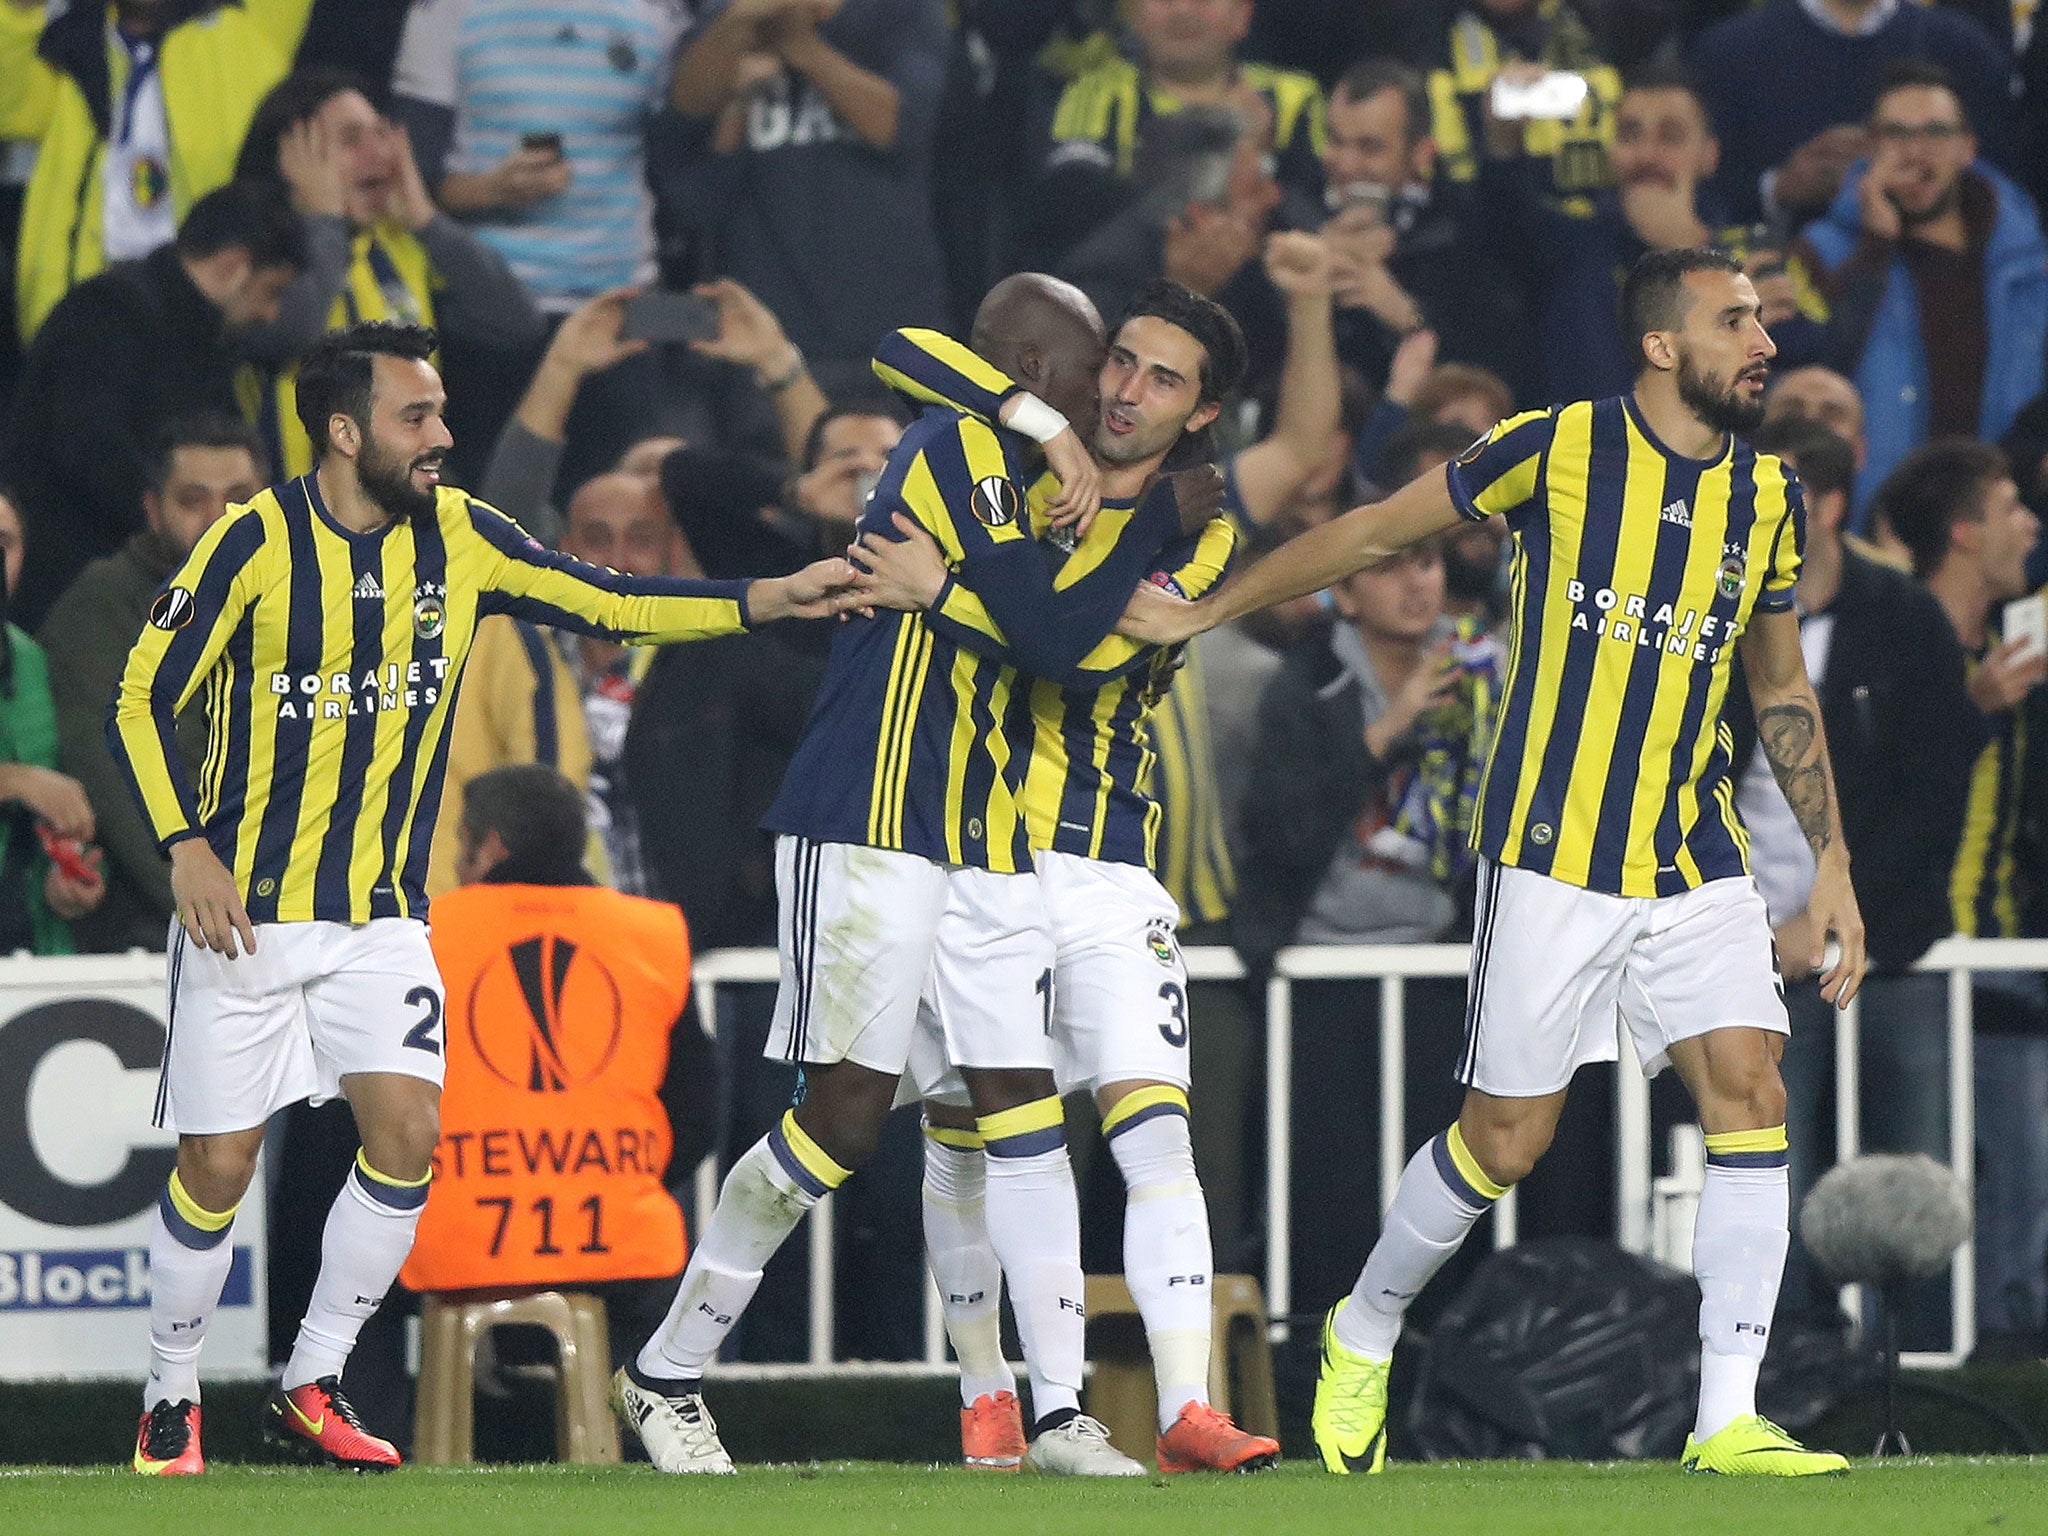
1554,966
315,1003
864,933
1119,1003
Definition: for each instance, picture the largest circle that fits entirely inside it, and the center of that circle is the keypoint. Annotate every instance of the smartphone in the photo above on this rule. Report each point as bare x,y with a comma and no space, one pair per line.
1556,94
67,853
2026,620
546,143
660,315
1374,197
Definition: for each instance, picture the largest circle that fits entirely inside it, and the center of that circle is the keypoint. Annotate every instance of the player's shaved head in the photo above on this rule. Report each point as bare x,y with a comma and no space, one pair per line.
1047,335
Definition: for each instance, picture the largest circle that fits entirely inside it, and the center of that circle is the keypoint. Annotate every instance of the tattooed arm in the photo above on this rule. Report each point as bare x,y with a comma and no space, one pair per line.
1790,736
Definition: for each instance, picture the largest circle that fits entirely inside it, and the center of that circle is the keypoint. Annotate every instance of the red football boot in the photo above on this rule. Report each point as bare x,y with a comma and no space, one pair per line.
167,1441
320,1416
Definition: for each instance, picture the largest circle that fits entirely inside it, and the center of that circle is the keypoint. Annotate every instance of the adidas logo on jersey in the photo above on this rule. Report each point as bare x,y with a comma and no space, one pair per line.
1678,512
369,589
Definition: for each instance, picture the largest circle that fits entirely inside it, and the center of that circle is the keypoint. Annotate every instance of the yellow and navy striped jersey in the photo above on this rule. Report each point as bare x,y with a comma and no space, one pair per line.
1985,886
1194,861
1088,785
1634,571
1102,115
1088,788
1575,148
907,745
330,661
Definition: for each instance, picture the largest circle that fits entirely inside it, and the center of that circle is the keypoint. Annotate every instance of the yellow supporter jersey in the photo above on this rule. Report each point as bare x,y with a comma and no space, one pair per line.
1985,887
389,278
1634,571
329,661
1103,112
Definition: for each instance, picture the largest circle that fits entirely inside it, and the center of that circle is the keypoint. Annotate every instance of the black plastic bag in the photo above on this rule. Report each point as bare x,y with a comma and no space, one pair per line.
1571,1348
1565,1347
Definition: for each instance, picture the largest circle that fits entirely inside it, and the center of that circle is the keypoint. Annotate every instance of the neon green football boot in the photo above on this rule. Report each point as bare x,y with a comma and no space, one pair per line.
1350,1417
1755,1447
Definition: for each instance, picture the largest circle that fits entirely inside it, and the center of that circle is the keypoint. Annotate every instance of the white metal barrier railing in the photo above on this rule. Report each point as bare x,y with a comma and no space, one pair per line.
1395,965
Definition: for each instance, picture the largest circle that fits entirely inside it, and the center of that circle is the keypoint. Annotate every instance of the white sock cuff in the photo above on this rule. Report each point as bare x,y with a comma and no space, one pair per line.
953,1174
1156,1156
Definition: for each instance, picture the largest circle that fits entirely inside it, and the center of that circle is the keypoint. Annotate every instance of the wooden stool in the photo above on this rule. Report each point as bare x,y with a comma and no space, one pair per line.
1121,1391
450,1325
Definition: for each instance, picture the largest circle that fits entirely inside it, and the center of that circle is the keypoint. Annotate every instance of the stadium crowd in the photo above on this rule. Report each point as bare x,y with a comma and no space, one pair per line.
192,192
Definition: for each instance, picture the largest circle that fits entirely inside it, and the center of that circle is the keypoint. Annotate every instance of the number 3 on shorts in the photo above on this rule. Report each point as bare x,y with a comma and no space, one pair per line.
424,1035
1175,1029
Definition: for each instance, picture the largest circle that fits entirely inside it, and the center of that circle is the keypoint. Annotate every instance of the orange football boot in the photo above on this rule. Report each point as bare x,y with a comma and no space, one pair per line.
167,1441
320,1416
992,1433
1203,1440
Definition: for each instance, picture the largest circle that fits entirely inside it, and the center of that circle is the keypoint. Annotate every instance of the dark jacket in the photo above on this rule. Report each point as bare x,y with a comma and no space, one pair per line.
1453,263
121,354
1903,736
92,626
713,731
1310,777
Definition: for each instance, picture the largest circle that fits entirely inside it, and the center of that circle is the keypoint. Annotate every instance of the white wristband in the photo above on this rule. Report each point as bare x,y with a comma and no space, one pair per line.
1035,419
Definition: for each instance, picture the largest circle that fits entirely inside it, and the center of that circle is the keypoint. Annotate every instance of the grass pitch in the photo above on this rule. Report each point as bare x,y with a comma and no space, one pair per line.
1919,1497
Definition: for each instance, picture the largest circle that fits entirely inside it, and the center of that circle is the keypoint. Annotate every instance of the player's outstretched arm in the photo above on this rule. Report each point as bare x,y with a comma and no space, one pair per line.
1794,743
1307,563
811,593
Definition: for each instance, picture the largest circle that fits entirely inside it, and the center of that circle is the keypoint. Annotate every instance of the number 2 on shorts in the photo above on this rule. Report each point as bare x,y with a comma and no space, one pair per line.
422,1036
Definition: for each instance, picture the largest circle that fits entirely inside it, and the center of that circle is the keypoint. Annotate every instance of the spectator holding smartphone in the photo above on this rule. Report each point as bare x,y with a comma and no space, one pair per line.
530,121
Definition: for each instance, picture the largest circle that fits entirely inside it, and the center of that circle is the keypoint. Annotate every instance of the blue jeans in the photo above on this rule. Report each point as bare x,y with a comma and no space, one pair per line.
1903,1073
2012,1161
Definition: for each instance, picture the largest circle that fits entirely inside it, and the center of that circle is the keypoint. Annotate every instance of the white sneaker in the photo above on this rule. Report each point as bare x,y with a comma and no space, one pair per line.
677,1431
1079,1448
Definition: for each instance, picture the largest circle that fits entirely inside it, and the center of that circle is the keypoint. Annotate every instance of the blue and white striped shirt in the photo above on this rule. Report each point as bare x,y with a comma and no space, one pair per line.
590,70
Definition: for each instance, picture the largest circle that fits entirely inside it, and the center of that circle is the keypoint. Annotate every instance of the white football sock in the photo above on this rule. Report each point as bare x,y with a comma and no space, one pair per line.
964,1266
1442,1193
1034,1225
774,1185
189,1259
369,1232
1167,1259
1738,1254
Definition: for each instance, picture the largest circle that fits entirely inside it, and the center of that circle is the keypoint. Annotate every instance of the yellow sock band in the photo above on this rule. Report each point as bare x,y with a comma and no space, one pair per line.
363,1162
1468,1165
195,1213
1144,1104
1770,1139
812,1163
1026,1131
1767,1148
953,1136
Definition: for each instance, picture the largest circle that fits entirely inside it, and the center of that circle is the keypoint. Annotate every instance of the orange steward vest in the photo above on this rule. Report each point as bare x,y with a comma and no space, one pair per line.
553,1137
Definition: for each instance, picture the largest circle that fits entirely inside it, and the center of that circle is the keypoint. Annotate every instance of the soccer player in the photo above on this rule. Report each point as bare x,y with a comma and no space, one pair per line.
1119,1014
1649,542
902,863
327,621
